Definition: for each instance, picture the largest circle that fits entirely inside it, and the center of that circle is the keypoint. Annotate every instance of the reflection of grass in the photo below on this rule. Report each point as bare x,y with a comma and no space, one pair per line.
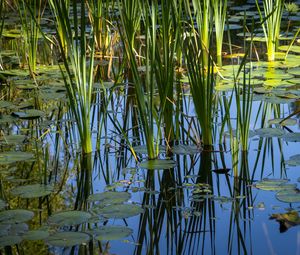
271,21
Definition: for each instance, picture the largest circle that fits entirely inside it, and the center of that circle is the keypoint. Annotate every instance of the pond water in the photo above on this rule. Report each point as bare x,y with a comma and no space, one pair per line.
192,199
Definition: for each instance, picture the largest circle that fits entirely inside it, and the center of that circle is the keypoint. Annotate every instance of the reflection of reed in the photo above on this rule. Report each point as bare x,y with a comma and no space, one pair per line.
242,200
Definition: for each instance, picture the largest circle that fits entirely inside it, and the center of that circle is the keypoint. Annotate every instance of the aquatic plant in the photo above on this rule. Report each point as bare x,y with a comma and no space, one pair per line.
79,66
30,13
271,21
201,78
202,12
220,13
101,21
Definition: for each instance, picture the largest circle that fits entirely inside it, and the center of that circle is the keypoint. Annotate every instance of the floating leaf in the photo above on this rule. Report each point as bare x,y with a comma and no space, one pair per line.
5,104
29,114
2,204
120,211
282,122
269,132
34,235
185,149
9,157
289,196
12,139
32,191
291,137
67,239
69,218
16,216
111,232
274,184
293,160
158,164
221,170
110,197
143,149
10,240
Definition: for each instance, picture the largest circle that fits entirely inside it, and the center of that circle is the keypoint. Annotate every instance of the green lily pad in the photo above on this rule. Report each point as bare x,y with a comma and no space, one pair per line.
287,122
29,114
289,196
110,197
291,137
120,211
67,239
9,157
10,240
5,104
269,132
274,184
12,139
158,164
34,235
185,149
2,204
293,48
69,218
293,160
143,149
15,216
32,191
111,232
294,71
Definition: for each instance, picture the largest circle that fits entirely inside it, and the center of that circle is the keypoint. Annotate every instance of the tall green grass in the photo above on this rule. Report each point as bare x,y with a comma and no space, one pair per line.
271,20
201,78
30,13
219,13
78,64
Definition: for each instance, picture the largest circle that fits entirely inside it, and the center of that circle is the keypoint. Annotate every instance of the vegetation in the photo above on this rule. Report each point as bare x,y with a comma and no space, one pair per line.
155,122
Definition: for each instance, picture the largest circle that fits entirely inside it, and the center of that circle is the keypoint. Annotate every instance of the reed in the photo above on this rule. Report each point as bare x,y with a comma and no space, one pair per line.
99,15
270,21
30,13
201,78
78,75
130,14
219,13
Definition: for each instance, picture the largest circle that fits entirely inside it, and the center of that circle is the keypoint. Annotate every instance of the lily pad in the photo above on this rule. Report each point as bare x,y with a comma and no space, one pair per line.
69,218
185,149
111,232
32,191
293,160
15,216
2,204
120,211
12,139
289,196
34,235
291,137
287,122
29,114
274,184
10,240
269,132
67,239
158,164
110,197
143,149
9,157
